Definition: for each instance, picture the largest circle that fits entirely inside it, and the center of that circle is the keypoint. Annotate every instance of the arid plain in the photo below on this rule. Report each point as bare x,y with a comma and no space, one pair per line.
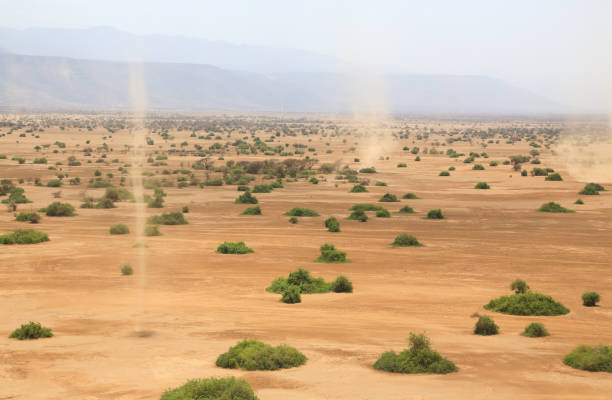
132,337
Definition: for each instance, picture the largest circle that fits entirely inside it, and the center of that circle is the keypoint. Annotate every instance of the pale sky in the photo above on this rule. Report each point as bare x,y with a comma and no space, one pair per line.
555,47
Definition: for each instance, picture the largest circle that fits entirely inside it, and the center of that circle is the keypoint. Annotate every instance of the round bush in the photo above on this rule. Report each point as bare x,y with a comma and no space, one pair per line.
119,229
590,299
255,210
519,286
482,185
342,285
291,295
435,214
406,210
253,355
405,240
332,224
388,198
358,189
24,236
152,230
419,358
444,173
535,329
301,212
590,358
293,220
30,217
553,207
246,198
485,326
30,331
383,213
329,254
528,303
410,196
58,209
127,269
233,248
212,389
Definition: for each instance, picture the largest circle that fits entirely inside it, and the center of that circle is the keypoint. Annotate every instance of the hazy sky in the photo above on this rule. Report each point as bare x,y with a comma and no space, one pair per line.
555,47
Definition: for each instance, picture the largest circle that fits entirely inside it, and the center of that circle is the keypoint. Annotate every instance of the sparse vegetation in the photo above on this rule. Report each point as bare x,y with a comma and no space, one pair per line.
405,240
590,299
212,389
388,198
535,329
58,209
406,210
253,355
246,198
419,358
24,236
172,218
485,326
435,214
31,331
329,254
233,248
291,295
127,269
301,212
526,302
592,189
119,229
358,189
332,224
152,230
30,217
553,207
482,185
255,210
590,358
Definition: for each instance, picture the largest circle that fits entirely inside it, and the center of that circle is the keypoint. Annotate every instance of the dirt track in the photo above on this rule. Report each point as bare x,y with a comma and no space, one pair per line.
193,303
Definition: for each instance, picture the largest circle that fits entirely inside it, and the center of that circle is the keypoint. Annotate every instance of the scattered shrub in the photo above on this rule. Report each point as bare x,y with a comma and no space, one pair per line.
478,167
332,224
30,331
58,209
262,189
54,183
406,210
24,236
302,280
342,285
519,286
256,210
127,269
233,248
212,389
535,329
358,189
485,326
291,295
579,202
405,240
444,173
301,212
591,189
383,213
590,358
253,355
553,207
152,230
246,198
293,220
435,214
401,165
410,196
419,358
482,185
119,229
388,198
553,177
590,299
173,218
30,217
329,254
370,170
526,303
185,210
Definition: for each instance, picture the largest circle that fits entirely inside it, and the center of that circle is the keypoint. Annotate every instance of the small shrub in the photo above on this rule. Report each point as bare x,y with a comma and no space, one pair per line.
302,279
30,331
358,189
54,183
527,303
553,207
435,214
383,213
358,215
185,210
388,198
173,218
291,295
30,217
152,230
579,202
590,299
262,189
256,210
590,358
233,248
332,224
519,286
253,355
380,183
58,209
24,236
444,173
370,170
213,389
410,196
406,210
419,358
119,229
246,198
485,326
478,167
553,177
329,254
301,212
591,189
293,220
401,165
535,329
482,185
342,285
127,269
405,240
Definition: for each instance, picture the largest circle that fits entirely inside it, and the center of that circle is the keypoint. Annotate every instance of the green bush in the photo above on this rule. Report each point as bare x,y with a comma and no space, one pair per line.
383,213
31,217
152,230
482,185
127,269
388,198
519,286
579,202
444,173
485,326
302,280
31,330
358,215
401,165
329,254
358,189
291,295
478,167
590,299
590,358
255,210
212,389
301,212
16,195
553,207
118,194
173,218
419,358
185,210
370,170
233,248
591,189
105,203
262,189
293,220
253,355
54,183
332,224
405,240
246,198
553,177
24,236
342,285
435,214
380,183
58,209
527,303
119,229
410,196
535,329
365,207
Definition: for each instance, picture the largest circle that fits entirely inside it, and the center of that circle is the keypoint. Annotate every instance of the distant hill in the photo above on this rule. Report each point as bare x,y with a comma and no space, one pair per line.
59,82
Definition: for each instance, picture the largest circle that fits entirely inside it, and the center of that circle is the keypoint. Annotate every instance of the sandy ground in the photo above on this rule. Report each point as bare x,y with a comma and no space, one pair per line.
192,304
